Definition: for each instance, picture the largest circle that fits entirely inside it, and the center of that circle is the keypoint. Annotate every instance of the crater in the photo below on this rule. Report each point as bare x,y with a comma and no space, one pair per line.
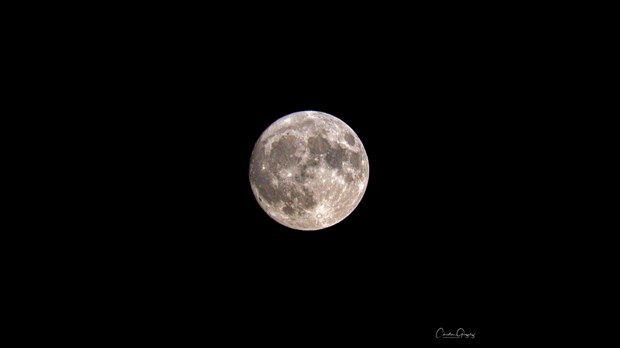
288,210
349,139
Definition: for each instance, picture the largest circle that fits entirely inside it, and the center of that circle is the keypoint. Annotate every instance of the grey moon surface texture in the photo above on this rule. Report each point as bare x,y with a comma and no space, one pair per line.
309,170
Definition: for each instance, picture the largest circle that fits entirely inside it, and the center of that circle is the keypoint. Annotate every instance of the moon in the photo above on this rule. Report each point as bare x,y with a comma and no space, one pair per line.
309,170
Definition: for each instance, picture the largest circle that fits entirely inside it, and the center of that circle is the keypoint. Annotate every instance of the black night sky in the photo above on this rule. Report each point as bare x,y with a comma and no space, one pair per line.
445,115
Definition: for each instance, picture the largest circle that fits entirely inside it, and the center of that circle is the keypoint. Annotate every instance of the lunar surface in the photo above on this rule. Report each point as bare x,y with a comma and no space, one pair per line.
309,170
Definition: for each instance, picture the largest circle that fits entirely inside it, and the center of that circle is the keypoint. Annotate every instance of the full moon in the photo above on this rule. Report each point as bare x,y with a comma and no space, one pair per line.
309,170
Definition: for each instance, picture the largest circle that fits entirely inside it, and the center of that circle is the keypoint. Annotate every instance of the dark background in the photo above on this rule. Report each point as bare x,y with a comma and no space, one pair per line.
448,109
